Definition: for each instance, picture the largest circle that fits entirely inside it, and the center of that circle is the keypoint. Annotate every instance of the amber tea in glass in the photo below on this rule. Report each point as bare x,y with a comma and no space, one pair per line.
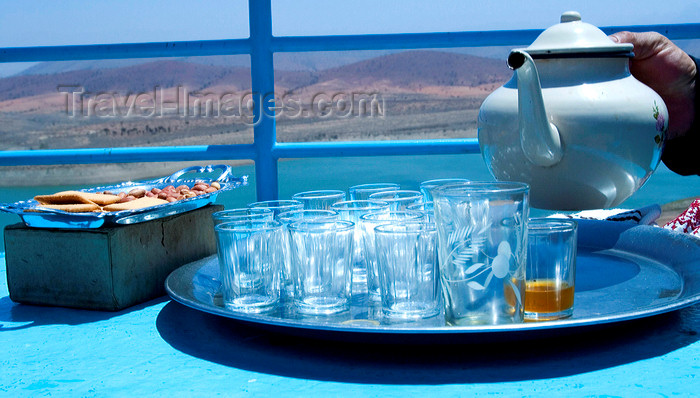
548,296
551,269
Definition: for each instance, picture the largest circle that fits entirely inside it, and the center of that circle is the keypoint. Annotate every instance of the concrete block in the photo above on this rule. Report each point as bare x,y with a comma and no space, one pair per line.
107,269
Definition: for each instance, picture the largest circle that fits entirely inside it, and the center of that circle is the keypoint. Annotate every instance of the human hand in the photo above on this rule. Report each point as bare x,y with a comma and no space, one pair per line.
669,71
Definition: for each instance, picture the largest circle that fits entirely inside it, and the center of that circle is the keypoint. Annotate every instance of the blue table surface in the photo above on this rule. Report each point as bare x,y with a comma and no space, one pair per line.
162,348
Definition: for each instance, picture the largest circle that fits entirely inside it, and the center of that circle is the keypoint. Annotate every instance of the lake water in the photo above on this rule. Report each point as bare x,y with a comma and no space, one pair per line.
299,175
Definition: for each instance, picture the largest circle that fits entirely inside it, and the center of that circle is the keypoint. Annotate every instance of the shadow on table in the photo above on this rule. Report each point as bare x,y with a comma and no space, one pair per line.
15,316
401,361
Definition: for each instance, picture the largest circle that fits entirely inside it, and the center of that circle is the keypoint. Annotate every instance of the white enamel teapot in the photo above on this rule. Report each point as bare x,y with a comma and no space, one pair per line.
573,122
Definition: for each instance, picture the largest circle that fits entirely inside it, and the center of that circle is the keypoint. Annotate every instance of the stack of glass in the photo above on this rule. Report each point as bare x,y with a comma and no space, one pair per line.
452,248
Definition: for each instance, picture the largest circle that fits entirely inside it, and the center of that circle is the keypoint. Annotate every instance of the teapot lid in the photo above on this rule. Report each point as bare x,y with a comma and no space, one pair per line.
575,37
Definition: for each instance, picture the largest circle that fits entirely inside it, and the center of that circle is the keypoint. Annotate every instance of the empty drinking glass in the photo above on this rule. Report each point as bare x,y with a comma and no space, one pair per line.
287,218
243,213
278,206
319,200
321,252
250,258
426,208
352,210
362,191
290,216
368,223
427,186
408,270
398,200
482,231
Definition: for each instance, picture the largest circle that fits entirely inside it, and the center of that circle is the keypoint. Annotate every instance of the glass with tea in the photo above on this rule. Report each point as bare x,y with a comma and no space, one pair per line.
551,269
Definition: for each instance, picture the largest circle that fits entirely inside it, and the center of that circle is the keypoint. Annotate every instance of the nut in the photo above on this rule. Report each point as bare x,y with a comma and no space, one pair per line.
216,185
127,198
137,192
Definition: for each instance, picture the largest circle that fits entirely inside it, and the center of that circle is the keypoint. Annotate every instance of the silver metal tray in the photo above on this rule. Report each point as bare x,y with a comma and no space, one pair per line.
50,218
624,272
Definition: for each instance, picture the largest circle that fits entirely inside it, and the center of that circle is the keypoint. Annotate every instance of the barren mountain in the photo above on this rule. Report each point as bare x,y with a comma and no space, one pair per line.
405,71
422,68
135,78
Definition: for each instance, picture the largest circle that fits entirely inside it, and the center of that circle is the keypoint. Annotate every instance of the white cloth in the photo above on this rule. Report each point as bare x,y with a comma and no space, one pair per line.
646,215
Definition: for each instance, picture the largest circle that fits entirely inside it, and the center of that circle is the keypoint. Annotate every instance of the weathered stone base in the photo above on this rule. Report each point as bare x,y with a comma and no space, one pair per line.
109,268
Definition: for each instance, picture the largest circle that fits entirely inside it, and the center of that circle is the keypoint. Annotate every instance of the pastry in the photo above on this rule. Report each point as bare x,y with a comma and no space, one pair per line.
139,203
72,197
74,207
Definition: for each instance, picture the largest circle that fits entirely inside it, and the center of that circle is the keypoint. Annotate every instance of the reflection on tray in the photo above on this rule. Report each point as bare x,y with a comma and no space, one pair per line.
588,276
622,276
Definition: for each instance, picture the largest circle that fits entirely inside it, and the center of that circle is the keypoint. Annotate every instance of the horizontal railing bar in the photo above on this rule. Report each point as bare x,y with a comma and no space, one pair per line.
452,39
403,41
126,155
312,43
671,31
244,151
375,148
125,50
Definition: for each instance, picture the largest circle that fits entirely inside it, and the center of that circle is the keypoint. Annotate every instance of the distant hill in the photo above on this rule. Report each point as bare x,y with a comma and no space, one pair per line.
427,68
312,61
406,70
304,61
54,67
298,61
136,78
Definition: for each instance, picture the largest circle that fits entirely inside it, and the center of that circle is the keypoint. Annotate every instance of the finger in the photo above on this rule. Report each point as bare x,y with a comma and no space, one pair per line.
622,37
646,44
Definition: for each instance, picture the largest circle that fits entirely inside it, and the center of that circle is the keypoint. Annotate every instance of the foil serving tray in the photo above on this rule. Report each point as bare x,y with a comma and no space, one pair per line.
50,218
624,272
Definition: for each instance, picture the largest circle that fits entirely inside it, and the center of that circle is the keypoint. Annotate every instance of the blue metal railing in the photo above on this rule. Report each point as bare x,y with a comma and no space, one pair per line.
261,45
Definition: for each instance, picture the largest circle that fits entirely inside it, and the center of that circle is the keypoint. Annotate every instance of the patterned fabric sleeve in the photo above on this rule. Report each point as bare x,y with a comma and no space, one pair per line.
682,155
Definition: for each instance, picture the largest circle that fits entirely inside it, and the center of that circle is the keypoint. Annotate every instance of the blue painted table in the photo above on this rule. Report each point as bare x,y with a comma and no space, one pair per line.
162,348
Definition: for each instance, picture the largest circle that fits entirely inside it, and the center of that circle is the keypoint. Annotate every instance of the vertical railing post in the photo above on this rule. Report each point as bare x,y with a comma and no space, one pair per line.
263,84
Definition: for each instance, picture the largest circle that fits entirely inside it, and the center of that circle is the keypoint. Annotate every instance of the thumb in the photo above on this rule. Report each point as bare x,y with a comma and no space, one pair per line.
623,37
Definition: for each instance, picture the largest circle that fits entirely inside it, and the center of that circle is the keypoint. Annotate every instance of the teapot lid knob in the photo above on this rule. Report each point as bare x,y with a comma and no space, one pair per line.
575,38
570,16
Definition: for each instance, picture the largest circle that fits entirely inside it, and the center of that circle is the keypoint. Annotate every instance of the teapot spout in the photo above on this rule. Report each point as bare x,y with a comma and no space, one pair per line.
539,138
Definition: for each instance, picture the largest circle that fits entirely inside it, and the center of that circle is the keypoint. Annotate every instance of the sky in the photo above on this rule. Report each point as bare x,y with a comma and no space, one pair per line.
50,22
